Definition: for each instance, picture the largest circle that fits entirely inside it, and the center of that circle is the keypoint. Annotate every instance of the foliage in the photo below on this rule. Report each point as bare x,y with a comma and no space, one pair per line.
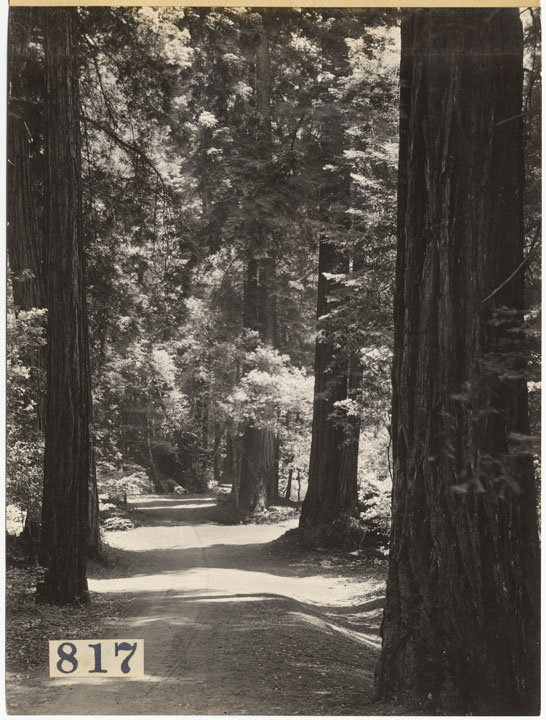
532,95
115,485
25,336
275,394
375,481
180,189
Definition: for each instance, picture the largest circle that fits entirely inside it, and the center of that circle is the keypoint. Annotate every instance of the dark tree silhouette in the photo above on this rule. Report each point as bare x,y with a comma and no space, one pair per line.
461,627
67,460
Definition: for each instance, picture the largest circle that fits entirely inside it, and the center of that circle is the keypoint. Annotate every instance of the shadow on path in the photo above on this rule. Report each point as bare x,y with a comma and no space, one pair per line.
230,625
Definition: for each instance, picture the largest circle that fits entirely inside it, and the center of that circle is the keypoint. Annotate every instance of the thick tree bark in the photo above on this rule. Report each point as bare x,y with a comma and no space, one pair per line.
461,623
67,439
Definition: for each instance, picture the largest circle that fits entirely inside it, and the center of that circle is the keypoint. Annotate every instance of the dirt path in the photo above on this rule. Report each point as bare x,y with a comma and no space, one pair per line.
231,624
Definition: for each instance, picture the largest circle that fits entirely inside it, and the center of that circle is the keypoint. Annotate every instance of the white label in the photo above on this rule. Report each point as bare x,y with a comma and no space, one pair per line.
96,658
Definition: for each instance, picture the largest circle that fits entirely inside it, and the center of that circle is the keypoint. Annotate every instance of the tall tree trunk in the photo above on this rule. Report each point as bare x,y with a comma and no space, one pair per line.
461,623
288,494
332,489
256,465
25,241
200,457
67,459
258,482
273,479
236,471
158,483
216,457
229,462
204,452
258,456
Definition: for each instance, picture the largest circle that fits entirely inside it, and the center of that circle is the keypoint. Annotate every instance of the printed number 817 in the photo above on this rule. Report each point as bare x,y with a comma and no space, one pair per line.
96,658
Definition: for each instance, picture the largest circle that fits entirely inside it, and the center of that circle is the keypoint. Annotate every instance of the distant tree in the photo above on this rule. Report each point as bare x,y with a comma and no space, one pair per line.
258,482
347,259
332,485
461,624
67,462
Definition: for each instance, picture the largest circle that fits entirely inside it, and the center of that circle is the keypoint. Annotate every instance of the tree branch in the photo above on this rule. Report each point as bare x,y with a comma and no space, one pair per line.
125,145
94,60
534,247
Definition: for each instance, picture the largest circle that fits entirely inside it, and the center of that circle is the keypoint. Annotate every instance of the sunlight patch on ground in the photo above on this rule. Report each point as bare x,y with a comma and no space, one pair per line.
223,598
166,501
195,575
198,536
109,681
316,590
140,621
360,637
188,506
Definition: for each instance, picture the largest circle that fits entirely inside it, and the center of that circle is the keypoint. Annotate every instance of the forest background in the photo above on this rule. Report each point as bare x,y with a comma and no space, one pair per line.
238,179
220,151
186,184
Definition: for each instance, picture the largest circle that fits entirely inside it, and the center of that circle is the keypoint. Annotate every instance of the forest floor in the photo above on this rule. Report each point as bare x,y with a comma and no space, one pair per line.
235,621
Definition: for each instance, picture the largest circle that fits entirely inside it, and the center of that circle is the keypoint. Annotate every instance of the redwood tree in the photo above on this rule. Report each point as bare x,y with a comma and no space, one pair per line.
332,489
68,408
461,623
258,482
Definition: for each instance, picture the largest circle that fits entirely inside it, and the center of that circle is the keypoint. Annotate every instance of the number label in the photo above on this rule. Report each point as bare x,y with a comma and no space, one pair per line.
96,658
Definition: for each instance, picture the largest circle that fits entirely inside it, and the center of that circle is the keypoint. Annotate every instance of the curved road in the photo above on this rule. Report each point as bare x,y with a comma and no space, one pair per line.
230,625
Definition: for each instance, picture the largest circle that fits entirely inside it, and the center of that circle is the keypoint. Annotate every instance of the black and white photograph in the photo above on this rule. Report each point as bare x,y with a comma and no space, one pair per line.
272,336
